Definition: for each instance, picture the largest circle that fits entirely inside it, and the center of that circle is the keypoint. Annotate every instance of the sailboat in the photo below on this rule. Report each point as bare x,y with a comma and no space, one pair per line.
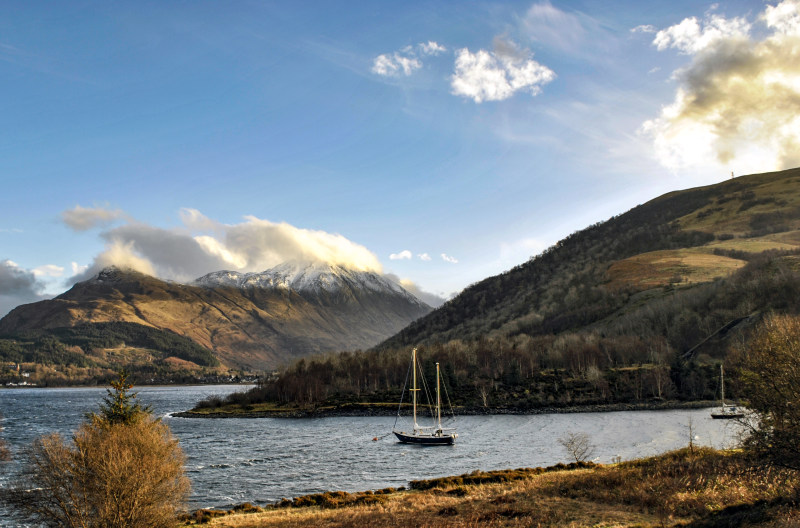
426,435
725,411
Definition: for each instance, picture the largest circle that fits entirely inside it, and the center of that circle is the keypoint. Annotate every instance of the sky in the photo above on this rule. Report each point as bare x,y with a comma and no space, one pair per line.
438,143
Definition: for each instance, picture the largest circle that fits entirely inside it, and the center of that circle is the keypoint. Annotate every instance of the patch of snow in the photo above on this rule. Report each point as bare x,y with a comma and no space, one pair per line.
306,277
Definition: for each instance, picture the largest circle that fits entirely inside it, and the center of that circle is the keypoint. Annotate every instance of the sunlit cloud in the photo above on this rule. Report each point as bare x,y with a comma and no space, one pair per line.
449,259
78,269
738,101
403,255
431,299
204,245
424,257
497,75
48,270
85,218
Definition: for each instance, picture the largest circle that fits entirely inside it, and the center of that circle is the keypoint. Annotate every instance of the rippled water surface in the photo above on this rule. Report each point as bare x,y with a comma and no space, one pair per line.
231,461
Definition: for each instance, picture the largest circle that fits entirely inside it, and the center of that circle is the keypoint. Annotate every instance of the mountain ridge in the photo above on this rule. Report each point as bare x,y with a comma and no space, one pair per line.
250,327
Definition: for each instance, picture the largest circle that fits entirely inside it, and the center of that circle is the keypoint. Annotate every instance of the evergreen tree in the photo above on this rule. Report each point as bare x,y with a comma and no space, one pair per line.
119,405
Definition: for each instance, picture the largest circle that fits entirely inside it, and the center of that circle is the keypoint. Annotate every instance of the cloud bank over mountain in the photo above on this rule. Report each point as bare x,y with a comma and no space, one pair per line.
202,245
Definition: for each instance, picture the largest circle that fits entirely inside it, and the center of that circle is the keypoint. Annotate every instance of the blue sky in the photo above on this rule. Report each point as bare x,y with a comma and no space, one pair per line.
439,142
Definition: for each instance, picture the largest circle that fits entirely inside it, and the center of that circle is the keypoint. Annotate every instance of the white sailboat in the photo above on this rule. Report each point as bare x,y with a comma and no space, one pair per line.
427,435
725,411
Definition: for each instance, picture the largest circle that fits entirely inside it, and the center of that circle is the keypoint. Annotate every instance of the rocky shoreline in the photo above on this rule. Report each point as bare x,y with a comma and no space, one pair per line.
366,410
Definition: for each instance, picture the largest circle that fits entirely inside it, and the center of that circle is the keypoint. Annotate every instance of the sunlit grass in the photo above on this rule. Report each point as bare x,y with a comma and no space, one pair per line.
675,489
679,266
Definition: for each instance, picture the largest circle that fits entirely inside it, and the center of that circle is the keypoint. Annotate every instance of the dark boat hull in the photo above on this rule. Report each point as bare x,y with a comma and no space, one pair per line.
727,412
726,416
406,438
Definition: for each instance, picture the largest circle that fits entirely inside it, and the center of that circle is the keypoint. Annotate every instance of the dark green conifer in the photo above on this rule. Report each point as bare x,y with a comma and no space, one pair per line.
119,405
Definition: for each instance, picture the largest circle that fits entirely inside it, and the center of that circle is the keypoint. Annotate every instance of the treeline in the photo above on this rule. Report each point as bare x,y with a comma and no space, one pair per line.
69,345
631,356
520,374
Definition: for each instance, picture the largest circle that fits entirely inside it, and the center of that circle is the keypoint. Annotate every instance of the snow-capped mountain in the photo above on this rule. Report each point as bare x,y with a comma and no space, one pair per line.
249,320
306,277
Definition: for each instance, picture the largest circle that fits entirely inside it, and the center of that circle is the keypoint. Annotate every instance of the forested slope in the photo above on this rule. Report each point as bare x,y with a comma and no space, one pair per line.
566,287
610,314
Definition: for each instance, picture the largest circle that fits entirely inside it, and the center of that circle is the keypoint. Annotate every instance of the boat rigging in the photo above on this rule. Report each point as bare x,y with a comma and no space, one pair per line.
426,435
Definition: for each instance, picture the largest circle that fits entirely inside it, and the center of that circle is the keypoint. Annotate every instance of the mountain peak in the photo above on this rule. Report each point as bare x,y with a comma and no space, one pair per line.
304,277
114,274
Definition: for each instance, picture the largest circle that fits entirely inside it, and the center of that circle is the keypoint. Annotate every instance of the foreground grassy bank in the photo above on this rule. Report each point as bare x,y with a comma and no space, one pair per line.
698,487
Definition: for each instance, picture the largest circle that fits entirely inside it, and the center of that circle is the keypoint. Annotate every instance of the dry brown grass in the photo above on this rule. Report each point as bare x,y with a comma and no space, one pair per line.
659,268
702,487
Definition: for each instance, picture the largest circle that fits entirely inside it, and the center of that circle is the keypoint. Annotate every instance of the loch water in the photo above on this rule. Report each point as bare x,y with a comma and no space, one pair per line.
231,461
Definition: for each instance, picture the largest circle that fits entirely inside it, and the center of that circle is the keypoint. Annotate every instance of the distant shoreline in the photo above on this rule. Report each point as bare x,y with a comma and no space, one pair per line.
356,410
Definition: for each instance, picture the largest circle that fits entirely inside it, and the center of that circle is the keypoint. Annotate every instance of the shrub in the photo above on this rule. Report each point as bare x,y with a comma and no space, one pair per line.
122,469
577,445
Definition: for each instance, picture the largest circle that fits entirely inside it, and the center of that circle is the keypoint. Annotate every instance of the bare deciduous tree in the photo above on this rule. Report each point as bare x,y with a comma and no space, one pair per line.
577,445
769,372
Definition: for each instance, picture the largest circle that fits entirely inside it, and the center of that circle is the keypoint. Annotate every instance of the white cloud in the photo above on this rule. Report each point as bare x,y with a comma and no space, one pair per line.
194,219
644,28
78,269
431,48
449,259
403,255
395,64
690,36
252,245
784,18
405,61
17,286
85,218
48,270
499,74
737,105
424,256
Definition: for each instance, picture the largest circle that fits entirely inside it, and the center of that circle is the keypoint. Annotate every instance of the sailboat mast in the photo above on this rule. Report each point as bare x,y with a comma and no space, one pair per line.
722,383
438,398
414,389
